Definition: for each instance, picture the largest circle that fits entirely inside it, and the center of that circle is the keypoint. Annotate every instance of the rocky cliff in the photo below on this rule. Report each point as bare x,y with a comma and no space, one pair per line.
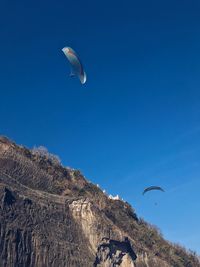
52,216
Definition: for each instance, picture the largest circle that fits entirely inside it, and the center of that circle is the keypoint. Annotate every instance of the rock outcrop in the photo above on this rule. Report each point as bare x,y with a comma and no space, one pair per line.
115,253
52,216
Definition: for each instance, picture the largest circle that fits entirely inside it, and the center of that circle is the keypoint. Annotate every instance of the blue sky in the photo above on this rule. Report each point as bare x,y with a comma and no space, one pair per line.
135,122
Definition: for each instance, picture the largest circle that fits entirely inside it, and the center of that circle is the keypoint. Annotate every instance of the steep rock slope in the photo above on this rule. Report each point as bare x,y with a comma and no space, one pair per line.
52,216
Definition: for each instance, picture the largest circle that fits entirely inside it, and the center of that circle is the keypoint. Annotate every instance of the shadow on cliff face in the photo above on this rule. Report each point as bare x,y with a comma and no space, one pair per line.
113,252
8,198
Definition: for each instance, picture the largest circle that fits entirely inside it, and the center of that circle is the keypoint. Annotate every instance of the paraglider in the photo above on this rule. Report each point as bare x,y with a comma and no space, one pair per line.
153,188
76,65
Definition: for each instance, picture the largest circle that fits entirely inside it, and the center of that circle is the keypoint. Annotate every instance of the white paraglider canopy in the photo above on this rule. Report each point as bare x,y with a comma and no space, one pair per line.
76,65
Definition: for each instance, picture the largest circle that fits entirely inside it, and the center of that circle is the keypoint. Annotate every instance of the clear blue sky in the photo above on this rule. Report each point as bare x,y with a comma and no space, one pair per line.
135,122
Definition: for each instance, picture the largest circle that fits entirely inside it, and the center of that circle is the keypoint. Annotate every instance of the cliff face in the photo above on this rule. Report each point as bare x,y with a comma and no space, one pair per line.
52,216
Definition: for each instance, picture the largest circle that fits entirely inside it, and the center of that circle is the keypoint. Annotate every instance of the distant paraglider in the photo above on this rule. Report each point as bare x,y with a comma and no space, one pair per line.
153,188
76,65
